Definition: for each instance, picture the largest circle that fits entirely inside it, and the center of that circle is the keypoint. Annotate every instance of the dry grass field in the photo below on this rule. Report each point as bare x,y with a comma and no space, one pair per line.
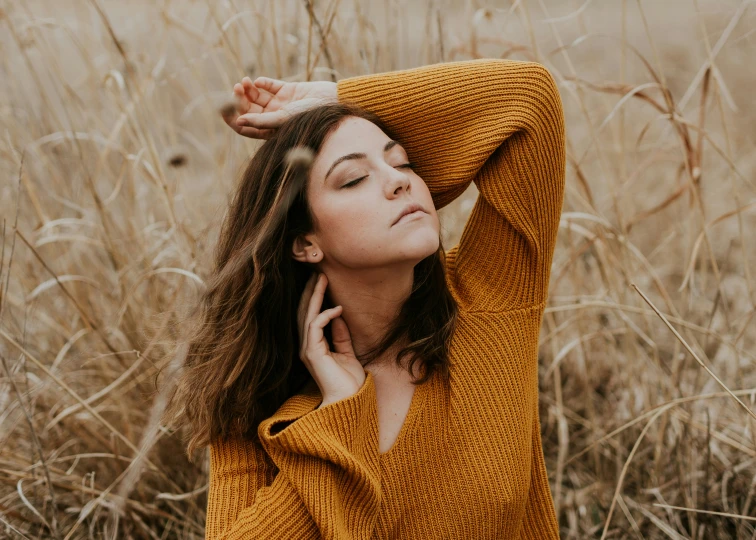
115,169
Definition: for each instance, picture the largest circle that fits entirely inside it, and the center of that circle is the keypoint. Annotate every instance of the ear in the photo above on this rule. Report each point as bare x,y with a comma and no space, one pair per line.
305,249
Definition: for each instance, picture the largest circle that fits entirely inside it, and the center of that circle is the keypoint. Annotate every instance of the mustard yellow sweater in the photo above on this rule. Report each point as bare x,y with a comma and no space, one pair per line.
468,464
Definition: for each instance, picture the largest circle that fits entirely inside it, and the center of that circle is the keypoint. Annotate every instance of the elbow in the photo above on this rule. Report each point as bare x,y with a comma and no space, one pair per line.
548,101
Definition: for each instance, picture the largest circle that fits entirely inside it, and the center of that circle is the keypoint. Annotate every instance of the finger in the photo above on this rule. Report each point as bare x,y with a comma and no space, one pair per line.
325,316
269,85
254,133
265,120
342,339
304,301
310,286
242,103
316,300
259,95
252,93
246,131
315,336
307,292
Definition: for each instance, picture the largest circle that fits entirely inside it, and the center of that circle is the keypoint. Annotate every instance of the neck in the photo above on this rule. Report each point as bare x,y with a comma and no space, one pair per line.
371,300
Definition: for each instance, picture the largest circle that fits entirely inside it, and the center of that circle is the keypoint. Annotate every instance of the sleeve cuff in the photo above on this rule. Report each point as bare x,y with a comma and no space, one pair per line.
350,424
235,456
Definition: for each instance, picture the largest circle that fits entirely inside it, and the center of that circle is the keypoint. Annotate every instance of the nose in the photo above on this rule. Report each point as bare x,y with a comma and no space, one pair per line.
397,181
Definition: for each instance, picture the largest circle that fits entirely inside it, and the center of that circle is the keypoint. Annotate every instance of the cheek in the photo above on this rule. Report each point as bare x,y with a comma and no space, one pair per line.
423,196
348,226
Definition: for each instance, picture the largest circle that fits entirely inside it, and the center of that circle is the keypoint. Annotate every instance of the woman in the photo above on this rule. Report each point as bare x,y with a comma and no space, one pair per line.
408,405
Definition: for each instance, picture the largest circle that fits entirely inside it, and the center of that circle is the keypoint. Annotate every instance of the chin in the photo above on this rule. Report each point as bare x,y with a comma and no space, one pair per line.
418,247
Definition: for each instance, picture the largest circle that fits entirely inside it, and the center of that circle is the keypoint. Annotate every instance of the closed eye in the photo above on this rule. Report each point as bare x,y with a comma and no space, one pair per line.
354,182
361,178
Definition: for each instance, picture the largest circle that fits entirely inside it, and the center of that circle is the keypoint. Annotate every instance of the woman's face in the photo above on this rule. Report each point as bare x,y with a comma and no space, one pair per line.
359,185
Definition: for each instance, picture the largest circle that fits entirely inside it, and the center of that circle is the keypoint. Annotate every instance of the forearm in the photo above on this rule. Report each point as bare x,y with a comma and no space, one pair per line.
328,474
452,116
245,501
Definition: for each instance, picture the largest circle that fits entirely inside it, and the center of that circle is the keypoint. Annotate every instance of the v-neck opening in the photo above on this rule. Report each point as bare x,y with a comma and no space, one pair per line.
416,405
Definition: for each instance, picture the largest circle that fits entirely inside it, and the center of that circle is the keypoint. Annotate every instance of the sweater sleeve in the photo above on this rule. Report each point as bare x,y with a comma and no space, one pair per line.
328,480
540,520
498,123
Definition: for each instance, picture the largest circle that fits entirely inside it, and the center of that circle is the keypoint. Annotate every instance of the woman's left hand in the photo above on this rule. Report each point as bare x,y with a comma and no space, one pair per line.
263,105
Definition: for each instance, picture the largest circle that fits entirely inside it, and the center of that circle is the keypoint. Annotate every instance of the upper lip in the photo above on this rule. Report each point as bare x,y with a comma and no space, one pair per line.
412,207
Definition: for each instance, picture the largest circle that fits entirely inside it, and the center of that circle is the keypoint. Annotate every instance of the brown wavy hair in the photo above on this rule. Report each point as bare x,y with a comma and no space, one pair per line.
242,340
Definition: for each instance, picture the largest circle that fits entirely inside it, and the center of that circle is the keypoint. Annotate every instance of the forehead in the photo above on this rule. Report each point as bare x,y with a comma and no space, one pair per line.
352,134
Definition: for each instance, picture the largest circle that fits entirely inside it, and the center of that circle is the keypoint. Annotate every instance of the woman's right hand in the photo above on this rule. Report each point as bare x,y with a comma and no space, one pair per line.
338,373
263,105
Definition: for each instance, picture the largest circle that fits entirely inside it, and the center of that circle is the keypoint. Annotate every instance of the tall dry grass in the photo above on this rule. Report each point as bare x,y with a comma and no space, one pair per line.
116,169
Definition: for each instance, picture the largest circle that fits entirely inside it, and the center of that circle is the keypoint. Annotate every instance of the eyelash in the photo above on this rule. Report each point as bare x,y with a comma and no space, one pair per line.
358,180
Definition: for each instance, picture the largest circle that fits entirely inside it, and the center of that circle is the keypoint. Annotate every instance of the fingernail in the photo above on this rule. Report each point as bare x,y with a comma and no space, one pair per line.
241,122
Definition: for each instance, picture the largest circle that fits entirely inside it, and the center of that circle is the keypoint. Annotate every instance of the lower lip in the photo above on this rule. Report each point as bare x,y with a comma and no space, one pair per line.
411,216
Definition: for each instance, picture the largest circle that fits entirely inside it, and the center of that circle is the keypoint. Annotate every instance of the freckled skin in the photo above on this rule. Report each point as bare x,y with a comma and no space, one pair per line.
354,224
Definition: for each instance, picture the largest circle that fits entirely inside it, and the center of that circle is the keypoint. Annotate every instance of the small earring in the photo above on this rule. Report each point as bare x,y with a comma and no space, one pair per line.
314,253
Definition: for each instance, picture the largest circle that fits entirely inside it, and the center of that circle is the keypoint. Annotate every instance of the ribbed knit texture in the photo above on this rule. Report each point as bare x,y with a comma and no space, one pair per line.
467,464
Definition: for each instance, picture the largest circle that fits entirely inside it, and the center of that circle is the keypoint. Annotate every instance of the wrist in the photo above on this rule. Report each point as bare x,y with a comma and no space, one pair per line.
325,90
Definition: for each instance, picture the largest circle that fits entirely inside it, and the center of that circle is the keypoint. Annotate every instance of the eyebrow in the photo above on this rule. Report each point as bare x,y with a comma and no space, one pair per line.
359,155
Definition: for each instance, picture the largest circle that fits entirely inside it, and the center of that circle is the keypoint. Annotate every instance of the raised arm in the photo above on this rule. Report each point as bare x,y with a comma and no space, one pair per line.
328,479
500,124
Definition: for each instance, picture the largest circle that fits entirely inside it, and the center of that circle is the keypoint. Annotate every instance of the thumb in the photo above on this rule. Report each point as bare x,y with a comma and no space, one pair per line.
265,120
342,339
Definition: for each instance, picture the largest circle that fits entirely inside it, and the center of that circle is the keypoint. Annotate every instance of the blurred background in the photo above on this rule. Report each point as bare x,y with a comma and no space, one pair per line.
116,169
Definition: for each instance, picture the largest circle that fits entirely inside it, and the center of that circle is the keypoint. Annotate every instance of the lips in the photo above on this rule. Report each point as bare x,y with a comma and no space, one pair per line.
410,208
